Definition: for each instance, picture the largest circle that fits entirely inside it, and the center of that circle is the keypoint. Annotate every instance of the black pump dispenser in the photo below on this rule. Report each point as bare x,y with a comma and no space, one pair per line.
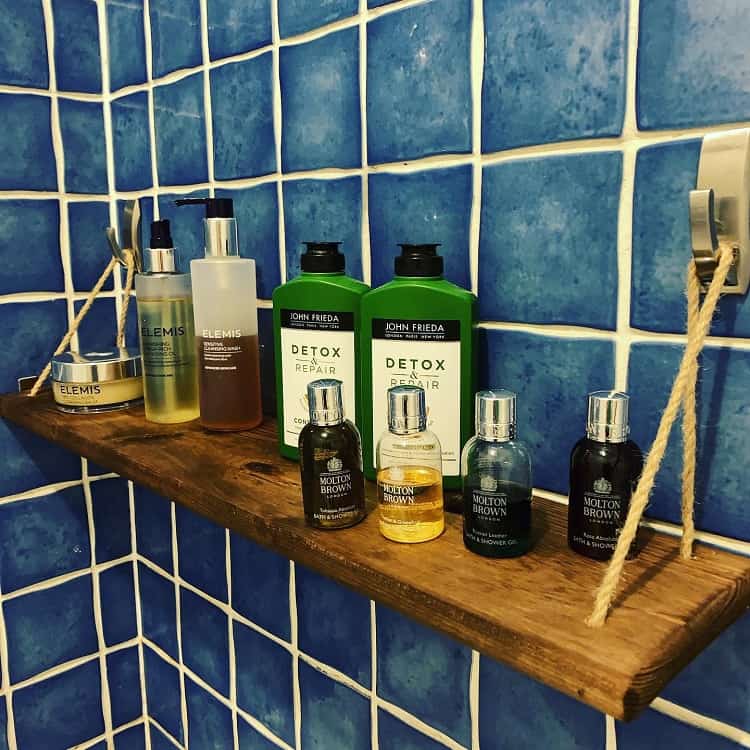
419,260
216,208
161,237
322,257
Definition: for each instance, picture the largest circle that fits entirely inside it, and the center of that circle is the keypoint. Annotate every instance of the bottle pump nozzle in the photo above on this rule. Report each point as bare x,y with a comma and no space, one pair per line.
219,225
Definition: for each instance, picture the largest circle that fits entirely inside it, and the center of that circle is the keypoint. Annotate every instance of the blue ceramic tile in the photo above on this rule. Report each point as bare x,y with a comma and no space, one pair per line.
62,711
163,693
131,142
257,212
3,726
323,211
419,82
158,609
431,206
187,226
538,216
118,604
237,27
111,505
78,66
552,377
159,740
692,66
23,44
264,681
334,624
30,461
209,722
124,678
545,80
26,143
267,366
49,627
250,739
207,570
508,699
133,738
395,735
127,45
242,116
31,332
320,103
723,434
661,244
86,223
378,3
298,16
82,127
655,731
414,662
175,35
260,585
333,715
153,527
43,538
716,682
205,640
34,226
98,330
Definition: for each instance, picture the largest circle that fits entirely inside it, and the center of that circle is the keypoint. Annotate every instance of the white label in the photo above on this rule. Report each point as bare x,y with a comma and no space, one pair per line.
425,353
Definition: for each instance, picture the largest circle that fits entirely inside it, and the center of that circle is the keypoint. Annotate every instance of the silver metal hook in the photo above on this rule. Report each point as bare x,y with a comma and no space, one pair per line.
131,223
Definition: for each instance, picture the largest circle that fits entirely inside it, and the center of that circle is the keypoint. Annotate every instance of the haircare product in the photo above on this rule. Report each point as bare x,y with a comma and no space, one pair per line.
418,329
95,382
604,469
226,323
410,483
496,472
315,317
165,324
333,485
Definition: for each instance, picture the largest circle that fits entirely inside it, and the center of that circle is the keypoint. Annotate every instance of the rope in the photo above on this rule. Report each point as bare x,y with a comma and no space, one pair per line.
65,341
681,389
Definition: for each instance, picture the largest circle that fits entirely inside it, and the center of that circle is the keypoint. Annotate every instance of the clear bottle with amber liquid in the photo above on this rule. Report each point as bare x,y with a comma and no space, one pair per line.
409,471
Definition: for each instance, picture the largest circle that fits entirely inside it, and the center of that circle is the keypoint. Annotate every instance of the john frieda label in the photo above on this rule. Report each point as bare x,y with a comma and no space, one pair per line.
314,344
425,353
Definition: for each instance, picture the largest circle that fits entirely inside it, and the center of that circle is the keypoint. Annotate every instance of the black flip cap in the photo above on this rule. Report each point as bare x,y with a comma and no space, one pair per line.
322,257
160,234
216,208
419,260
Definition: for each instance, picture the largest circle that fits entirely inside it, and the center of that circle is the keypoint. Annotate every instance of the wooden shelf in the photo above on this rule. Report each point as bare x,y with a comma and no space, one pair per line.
528,612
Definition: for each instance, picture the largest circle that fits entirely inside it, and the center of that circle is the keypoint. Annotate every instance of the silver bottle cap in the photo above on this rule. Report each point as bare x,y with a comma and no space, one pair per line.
407,411
496,415
607,420
161,260
326,402
221,238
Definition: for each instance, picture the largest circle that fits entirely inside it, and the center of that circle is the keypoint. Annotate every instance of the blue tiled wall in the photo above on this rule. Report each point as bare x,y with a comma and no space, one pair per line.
549,146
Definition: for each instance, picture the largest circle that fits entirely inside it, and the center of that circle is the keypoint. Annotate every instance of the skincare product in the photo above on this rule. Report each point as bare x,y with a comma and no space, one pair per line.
226,324
165,324
315,317
604,469
496,472
95,382
330,450
410,483
418,329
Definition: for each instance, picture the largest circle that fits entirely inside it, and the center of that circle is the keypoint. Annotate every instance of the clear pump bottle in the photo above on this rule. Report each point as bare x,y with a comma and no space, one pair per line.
409,470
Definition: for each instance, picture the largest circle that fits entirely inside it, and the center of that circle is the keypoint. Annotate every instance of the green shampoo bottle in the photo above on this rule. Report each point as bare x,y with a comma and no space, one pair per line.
316,317
419,329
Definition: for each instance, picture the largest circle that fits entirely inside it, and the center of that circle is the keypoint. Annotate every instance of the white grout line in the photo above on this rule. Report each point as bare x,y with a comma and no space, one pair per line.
277,177
178,621
610,733
10,728
294,635
365,252
706,723
230,641
104,737
375,739
164,732
154,191
476,52
207,106
474,699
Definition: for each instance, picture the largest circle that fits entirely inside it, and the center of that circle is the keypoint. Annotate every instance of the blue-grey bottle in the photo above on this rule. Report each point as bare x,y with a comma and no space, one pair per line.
496,479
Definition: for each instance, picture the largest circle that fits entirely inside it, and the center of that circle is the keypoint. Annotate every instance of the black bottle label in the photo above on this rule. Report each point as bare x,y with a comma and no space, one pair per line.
600,512
496,523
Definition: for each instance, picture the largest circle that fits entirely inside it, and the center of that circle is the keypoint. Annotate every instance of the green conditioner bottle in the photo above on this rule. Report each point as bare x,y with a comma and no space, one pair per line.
419,329
316,317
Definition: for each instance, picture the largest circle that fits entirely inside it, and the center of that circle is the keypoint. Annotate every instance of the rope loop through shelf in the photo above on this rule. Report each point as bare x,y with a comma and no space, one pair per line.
121,321
682,397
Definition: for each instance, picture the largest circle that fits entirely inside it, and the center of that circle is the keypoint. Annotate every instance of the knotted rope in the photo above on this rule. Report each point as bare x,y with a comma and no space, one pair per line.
120,341
682,395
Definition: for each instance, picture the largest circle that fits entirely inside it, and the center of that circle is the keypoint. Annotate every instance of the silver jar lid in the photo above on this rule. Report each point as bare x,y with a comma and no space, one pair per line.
407,411
96,367
495,415
607,420
325,401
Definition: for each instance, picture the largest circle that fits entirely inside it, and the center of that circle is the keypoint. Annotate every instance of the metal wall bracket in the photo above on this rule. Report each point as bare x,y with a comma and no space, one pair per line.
131,234
720,207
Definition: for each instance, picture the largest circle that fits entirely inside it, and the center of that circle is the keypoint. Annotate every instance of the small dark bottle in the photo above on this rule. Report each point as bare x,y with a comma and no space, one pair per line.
330,450
604,470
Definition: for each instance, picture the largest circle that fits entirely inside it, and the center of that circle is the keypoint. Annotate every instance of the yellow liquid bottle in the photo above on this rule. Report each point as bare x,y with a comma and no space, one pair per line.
409,476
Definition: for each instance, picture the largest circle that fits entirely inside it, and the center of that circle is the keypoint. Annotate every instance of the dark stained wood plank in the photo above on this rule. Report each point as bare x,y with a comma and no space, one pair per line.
528,613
